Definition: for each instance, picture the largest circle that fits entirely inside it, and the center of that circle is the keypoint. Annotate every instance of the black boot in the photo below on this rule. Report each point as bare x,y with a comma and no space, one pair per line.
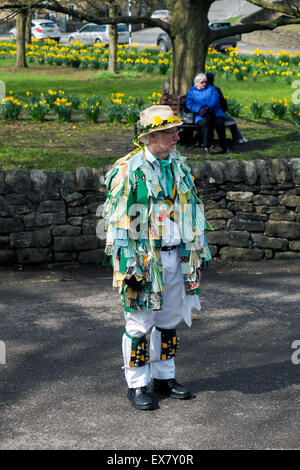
171,388
139,398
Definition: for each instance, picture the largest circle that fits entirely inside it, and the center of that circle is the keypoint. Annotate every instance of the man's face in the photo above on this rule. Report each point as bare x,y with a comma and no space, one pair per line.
164,142
201,84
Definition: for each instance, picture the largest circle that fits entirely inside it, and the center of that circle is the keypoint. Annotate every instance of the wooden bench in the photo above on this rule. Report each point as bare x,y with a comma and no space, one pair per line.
177,103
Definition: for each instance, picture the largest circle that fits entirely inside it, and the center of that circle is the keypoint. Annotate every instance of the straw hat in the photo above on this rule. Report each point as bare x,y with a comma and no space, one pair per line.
157,118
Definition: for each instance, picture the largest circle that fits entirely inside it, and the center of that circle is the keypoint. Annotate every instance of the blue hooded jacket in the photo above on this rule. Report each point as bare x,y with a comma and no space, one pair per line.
208,96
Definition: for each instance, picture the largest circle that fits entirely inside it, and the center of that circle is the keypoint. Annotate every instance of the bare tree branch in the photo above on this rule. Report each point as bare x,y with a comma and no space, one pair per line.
288,7
250,27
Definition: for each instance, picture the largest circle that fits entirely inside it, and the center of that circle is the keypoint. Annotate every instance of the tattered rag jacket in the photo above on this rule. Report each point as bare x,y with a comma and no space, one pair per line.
135,213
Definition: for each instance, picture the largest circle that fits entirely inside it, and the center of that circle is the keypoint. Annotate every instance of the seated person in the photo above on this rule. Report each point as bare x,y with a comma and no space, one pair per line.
203,100
237,136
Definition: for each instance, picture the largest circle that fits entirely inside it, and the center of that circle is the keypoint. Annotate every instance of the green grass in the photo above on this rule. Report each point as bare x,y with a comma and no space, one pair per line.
61,146
37,79
249,90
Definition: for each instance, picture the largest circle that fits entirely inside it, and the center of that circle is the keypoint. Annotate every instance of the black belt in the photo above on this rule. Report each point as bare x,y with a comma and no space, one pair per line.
169,248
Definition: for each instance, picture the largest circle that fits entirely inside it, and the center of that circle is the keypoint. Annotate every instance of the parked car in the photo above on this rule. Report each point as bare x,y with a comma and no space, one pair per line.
223,43
164,41
91,33
161,15
40,29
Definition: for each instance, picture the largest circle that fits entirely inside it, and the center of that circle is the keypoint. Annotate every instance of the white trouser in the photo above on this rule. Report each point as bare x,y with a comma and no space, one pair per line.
138,323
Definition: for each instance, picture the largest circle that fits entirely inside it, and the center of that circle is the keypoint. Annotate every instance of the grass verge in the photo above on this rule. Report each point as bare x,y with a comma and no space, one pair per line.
66,146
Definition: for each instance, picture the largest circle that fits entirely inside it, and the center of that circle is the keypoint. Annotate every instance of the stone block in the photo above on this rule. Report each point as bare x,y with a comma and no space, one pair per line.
250,172
5,209
21,240
66,231
39,180
218,224
283,229
2,182
11,224
224,238
51,206
84,242
265,200
73,197
292,255
295,166
251,254
268,254
239,206
261,241
33,255
95,208
294,245
89,225
239,196
4,241
289,200
89,178
18,181
219,214
282,170
36,238
54,185
233,171
265,172
68,183
76,221
50,218
252,216
287,215
246,225
215,171
77,211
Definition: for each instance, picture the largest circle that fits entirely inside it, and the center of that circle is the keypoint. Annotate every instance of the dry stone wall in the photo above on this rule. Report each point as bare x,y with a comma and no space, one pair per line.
50,217
253,206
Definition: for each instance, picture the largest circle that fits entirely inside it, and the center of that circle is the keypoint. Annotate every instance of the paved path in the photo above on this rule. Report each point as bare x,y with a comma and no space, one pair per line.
62,386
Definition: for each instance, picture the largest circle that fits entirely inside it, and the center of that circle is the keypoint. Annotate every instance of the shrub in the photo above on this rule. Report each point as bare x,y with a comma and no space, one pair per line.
37,109
257,108
278,108
52,95
75,100
295,113
92,108
63,109
115,111
234,107
11,108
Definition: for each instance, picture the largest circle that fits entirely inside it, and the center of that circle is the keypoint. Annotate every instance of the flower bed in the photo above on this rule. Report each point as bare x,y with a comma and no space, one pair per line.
119,107
264,65
116,108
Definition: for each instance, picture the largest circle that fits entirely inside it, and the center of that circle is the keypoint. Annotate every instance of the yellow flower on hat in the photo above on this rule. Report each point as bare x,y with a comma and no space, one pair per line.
157,121
173,119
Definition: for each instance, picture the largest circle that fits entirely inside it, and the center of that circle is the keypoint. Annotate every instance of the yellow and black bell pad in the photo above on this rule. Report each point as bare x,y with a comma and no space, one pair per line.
169,343
139,355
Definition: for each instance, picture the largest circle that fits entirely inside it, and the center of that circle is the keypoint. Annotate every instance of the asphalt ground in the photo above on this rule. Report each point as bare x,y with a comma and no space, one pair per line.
62,386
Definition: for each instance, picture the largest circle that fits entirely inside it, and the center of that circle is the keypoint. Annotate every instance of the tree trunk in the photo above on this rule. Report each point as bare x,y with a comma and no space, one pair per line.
20,40
189,27
28,28
113,41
